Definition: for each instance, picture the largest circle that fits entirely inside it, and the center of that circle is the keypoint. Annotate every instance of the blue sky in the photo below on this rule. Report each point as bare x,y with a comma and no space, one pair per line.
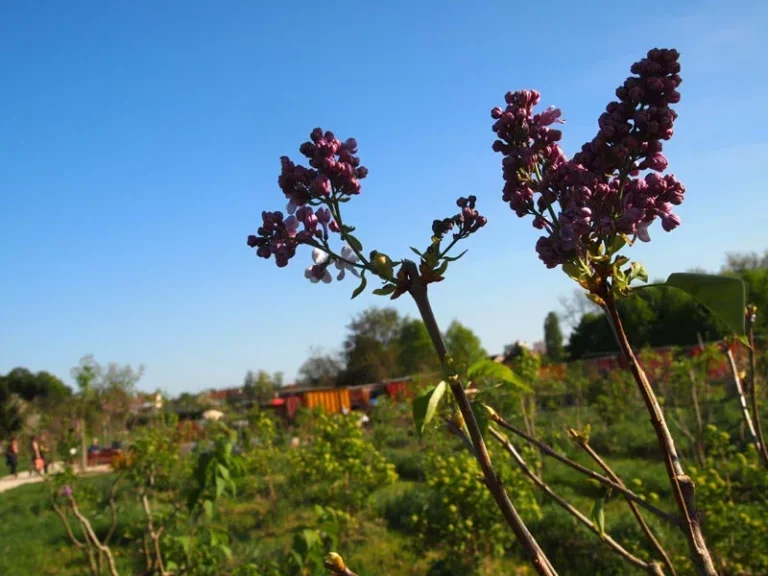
139,143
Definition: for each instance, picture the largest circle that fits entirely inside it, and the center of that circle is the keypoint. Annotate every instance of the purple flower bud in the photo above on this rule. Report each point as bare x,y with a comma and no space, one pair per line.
322,185
670,221
316,135
550,116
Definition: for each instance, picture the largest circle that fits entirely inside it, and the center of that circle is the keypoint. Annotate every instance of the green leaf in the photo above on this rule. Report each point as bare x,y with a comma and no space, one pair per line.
490,370
637,272
598,515
226,550
221,486
416,252
443,267
723,296
208,509
359,289
454,258
425,406
185,542
385,290
223,471
616,244
353,242
573,271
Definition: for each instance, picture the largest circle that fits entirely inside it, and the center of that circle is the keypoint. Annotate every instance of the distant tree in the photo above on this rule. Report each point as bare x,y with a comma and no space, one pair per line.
416,354
259,389
575,307
86,374
463,344
742,262
553,337
42,387
320,369
753,269
372,346
660,317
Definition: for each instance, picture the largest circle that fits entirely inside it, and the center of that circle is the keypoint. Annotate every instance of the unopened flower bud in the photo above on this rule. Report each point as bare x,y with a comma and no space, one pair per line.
382,264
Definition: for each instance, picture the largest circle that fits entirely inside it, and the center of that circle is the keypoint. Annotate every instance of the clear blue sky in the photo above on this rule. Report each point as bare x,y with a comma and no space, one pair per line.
139,143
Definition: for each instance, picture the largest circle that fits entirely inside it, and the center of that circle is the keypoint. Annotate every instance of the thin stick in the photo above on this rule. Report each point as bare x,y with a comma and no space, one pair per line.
154,535
682,485
751,317
584,444
651,568
112,510
699,421
418,291
607,482
742,400
92,535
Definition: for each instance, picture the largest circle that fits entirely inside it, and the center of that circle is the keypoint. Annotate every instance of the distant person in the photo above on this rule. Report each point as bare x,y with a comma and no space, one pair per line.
12,456
44,451
94,447
38,462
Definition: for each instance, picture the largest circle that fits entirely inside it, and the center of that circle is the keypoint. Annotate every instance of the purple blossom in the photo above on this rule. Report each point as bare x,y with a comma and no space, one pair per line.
601,191
333,172
66,490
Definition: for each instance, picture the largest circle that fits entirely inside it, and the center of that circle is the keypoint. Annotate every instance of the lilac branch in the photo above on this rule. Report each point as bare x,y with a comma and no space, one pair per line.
607,482
651,568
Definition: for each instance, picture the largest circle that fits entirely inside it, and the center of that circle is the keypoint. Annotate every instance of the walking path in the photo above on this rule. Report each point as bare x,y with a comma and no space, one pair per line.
9,482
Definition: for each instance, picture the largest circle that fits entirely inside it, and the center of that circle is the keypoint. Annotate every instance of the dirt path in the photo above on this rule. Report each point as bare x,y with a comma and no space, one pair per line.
9,482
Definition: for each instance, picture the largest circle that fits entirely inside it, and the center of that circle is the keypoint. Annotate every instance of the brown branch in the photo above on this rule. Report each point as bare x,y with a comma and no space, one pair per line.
699,421
742,400
418,291
751,317
682,485
60,513
112,509
584,444
94,539
607,482
651,568
153,534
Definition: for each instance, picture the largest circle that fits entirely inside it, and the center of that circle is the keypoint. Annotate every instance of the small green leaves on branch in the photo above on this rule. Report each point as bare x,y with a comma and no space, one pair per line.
425,406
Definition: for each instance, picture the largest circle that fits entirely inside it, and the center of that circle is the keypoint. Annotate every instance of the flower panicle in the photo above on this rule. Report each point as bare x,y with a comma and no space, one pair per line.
613,186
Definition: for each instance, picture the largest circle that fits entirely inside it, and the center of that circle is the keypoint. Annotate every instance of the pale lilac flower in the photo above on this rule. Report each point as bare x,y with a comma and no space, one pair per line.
319,271
641,232
348,255
291,225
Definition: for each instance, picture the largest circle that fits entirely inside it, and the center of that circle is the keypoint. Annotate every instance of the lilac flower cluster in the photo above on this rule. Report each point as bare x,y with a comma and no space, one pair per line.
468,220
599,193
334,168
334,172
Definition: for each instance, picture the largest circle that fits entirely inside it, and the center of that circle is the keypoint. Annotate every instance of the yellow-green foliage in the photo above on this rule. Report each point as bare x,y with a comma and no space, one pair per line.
339,467
461,516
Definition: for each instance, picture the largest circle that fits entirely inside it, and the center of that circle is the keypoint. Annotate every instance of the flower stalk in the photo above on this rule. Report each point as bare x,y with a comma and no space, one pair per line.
418,291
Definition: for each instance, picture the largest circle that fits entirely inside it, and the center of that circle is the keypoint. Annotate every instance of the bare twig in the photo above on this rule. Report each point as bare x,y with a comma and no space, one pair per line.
751,317
112,509
607,482
742,400
699,421
153,534
584,444
418,291
93,538
682,485
651,568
